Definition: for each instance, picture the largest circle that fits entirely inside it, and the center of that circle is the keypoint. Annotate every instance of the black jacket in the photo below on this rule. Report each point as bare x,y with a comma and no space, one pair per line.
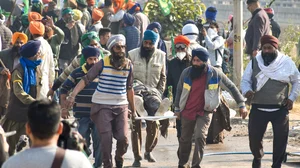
275,28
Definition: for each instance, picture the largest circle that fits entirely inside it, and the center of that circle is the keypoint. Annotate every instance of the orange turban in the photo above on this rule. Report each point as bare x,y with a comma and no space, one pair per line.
120,5
18,35
182,39
36,27
97,14
34,16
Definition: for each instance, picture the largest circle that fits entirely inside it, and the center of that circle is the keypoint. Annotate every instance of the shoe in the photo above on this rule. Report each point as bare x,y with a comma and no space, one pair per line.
256,163
139,105
163,107
136,163
119,164
148,156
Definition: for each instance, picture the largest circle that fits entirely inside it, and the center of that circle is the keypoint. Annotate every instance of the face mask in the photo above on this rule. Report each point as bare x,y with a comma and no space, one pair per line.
180,55
211,32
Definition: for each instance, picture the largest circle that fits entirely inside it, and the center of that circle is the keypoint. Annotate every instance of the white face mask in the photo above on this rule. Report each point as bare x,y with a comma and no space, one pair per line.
180,55
211,32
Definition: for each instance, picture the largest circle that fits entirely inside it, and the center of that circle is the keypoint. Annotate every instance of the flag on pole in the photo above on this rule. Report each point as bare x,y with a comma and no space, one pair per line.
26,6
165,6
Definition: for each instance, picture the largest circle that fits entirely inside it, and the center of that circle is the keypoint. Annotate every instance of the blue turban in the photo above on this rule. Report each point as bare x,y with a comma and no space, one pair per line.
30,49
90,51
201,53
132,10
150,35
154,25
211,13
128,19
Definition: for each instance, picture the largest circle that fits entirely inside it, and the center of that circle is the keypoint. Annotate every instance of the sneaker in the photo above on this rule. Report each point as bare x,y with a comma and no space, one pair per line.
148,156
136,163
164,106
139,105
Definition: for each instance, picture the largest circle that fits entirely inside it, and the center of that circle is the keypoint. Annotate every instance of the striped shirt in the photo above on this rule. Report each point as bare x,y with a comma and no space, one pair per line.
83,100
113,84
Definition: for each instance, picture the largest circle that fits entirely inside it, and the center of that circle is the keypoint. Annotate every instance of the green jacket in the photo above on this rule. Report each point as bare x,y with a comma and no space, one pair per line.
55,43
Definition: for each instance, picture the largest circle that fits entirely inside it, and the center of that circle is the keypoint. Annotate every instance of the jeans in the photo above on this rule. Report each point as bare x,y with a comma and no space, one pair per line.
86,129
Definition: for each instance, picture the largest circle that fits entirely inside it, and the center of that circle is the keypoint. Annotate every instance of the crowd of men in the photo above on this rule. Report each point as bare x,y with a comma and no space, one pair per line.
109,64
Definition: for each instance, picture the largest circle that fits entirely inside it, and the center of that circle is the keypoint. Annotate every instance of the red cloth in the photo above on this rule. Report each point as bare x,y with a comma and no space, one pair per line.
195,103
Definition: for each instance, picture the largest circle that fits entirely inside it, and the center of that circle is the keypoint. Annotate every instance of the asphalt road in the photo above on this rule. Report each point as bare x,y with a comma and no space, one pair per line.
165,153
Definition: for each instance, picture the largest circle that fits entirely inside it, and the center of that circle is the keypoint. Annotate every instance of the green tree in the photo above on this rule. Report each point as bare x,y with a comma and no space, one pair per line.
181,11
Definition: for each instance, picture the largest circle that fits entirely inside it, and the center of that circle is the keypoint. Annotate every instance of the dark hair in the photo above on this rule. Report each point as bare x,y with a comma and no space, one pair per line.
43,118
215,24
103,31
108,3
212,9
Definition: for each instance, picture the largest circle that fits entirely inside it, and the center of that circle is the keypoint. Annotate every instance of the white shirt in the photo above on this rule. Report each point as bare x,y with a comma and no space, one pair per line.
43,157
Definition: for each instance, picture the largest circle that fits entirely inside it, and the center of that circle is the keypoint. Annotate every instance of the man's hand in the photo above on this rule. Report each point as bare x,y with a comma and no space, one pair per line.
50,93
5,71
177,114
254,53
204,32
50,21
5,144
249,94
243,112
65,113
289,104
69,102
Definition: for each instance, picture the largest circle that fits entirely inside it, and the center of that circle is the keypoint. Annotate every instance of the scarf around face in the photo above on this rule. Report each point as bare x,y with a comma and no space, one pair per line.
29,76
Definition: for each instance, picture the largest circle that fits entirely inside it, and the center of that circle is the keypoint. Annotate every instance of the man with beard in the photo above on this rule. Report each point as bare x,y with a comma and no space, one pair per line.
110,100
23,92
265,84
175,68
10,58
83,101
197,97
150,79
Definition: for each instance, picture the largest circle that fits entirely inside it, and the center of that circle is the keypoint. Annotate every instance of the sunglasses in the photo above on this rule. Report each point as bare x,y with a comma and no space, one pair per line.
180,46
119,47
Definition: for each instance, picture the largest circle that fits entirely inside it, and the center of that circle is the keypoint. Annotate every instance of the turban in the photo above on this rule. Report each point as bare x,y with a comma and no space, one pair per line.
119,6
190,31
190,21
67,11
34,16
154,25
128,19
115,39
90,52
77,14
251,1
37,6
133,7
268,39
270,12
24,20
82,3
36,27
182,39
23,37
30,49
91,2
211,13
150,35
97,14
201,53
88,37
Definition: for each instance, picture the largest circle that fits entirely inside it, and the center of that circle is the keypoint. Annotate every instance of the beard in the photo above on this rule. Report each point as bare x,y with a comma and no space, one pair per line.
269,57
196,71
146,52
89,66
117,60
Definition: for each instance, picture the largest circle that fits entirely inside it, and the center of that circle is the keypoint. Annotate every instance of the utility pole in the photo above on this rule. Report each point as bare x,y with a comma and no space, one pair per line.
238,42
